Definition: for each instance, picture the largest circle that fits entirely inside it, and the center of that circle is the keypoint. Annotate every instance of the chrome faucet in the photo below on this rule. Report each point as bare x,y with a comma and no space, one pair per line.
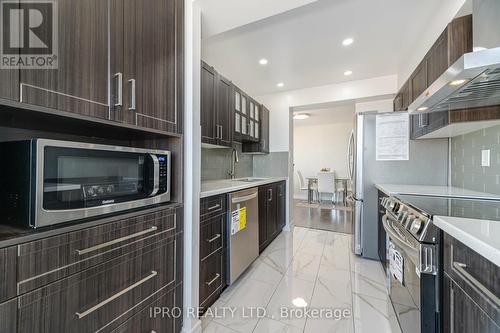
234,159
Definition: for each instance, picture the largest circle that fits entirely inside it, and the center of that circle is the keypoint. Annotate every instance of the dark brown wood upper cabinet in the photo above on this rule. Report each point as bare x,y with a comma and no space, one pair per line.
224,110
437,59
453,42
459,38
146,73
261,147
117,60
418,80
208,117
9,87
216,108
80,83
402,99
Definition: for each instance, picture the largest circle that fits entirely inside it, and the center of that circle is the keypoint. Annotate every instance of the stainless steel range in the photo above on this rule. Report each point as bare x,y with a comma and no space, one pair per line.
414,247
413,252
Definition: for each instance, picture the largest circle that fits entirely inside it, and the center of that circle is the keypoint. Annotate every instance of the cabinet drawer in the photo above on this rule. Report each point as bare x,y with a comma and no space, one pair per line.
212,206
461,313
7,273
211,236
102,297
210,276
150,319
8,315
47,260
477,276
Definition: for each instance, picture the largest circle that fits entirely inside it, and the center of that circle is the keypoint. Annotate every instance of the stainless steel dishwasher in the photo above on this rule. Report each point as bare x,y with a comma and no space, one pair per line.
243,231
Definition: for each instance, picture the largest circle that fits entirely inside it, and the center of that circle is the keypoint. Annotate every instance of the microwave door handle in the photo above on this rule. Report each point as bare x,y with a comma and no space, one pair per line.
156,175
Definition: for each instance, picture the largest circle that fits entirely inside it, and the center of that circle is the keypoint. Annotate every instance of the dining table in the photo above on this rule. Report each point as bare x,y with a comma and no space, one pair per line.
314,180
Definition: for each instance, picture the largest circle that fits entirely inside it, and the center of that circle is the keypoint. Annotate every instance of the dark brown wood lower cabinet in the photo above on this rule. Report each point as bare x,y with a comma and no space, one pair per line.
160,316
272,211
471,290
213,248
8,312
102,297
49,259
462,314
211,278
8,267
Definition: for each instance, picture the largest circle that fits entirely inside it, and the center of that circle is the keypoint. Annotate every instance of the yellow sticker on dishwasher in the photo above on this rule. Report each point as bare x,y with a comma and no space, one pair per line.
243,218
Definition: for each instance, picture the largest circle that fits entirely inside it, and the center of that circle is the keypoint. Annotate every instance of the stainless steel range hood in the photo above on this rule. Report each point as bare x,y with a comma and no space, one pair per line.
474,79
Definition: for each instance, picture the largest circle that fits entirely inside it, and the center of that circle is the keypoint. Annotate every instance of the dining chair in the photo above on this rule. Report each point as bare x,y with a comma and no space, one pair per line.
303,186
326,184
339,190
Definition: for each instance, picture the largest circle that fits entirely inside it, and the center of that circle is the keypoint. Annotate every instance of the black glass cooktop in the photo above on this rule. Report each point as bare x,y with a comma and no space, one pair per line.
455,207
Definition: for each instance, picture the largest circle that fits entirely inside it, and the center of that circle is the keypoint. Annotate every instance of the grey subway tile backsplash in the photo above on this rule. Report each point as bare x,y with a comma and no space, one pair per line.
466,169
274,164
216,163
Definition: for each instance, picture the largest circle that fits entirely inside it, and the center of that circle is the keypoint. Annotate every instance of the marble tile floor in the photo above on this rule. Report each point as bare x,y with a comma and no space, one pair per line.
311,268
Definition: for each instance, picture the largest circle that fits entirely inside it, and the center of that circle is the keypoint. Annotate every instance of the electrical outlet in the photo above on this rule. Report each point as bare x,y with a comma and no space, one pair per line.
485,158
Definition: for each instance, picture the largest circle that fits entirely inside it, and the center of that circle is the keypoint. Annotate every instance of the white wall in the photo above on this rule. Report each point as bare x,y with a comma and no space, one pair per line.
280,104
434,26
320,146
381,105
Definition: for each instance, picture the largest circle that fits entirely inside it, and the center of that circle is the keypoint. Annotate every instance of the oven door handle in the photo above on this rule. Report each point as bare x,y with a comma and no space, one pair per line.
407,247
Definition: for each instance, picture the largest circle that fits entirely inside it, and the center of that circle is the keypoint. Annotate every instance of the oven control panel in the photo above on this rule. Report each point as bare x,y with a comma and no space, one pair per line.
416,222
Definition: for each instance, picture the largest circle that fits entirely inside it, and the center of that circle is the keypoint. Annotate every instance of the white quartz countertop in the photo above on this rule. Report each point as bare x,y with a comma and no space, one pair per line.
215,187
482,236
438,191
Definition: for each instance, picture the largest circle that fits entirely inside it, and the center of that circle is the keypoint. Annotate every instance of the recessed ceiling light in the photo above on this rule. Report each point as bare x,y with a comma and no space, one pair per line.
347,41
347,73
423,108
263,61
457,82
299,302
300,116
280,85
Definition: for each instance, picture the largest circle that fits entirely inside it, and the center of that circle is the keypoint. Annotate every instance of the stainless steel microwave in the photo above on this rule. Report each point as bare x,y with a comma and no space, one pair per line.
46,182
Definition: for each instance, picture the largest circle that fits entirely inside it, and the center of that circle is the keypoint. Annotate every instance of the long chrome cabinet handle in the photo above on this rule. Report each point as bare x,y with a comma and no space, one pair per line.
115,241
132,95
213,280
214,207
216,237
120,89
460,269
115,296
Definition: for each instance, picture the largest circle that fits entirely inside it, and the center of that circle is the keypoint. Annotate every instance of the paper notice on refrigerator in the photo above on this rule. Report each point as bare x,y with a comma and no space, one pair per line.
393,137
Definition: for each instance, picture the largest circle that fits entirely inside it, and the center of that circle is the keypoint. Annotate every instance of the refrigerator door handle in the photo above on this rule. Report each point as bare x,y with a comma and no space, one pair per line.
350,156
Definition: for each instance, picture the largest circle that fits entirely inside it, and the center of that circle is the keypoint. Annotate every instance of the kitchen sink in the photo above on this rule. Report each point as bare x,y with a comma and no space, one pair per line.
250,180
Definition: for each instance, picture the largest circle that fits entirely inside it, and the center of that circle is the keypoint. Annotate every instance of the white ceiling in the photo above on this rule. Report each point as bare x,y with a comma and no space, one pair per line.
342,113
222,15
303,45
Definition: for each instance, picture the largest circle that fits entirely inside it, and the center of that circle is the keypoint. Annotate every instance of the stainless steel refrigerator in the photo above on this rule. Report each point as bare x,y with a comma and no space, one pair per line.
427,165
